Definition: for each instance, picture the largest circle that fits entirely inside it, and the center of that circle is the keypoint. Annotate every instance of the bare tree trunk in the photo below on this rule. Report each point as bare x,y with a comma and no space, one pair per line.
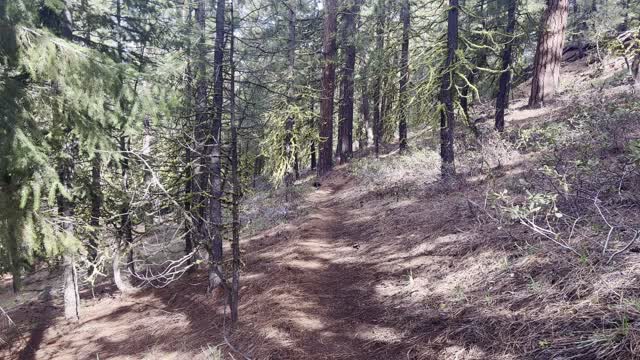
71,293
313,156
404,75
95,192
377,85
188,156
365,118
635,71
235,213
290,91
9,228
188,190
126,226
215,206
66,173
200,172
502,100
66,211
345,124
546,64
325,159
145,153
447,116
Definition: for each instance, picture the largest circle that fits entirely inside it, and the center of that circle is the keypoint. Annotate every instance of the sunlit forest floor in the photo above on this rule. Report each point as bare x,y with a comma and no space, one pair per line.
382,261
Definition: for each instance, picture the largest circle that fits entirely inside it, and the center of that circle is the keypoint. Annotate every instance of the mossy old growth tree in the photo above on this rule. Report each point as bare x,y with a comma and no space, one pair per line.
129,122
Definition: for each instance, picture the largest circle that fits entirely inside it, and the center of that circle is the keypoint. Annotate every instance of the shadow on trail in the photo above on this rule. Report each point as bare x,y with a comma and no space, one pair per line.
43,306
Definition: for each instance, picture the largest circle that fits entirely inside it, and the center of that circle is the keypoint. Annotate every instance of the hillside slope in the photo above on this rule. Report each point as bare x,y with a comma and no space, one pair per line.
384,261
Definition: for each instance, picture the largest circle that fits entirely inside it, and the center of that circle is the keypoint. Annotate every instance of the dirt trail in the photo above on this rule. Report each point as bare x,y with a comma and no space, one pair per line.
324,267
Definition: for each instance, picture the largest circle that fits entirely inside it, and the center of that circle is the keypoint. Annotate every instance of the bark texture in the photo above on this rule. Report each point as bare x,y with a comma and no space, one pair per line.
546,64
291,44
377,84
447,116
504,84
214,146
325,158
404,76
345,128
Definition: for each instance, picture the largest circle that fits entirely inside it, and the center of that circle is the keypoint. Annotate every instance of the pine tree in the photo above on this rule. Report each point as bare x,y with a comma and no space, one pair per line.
325,157
404,75
447,114
345,112
546,64
504,83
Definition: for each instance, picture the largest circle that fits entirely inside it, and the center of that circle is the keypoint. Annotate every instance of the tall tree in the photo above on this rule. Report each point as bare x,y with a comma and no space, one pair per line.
289,123
546,64
502,100
214,149
325,156
404,75
447,92
365,126
66,205
345,112
235,191
377,83
200,172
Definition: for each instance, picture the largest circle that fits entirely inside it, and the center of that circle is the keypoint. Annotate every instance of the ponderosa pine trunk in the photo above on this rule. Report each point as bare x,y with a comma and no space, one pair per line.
404,75
325,158
447,115
546,64
216,278
504,84
345,124
377,85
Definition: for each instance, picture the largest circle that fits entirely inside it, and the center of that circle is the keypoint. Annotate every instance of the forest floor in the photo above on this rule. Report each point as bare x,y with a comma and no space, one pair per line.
382,261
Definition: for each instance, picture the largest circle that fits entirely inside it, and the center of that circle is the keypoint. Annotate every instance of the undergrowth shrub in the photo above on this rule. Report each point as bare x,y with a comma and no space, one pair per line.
417,167
584,195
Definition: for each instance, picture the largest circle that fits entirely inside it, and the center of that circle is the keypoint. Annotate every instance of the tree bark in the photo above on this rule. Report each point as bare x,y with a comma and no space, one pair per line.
235,197
66,173
635,71
200,172
502,100
71,293
345,124
404,75
66,211
365,119
447,116
290,122
215,206
188,157
377,85
126,226
546,64
313,156
325,158
95,193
